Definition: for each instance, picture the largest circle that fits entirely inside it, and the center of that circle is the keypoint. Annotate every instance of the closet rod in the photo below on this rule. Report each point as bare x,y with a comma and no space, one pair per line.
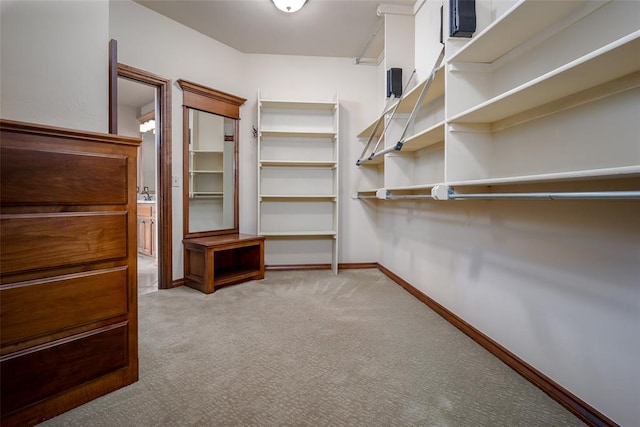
450,194
409,196
611,195
385,151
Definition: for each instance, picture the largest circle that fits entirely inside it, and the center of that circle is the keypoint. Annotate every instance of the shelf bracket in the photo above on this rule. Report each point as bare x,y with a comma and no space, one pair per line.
441,192
398,146
362,159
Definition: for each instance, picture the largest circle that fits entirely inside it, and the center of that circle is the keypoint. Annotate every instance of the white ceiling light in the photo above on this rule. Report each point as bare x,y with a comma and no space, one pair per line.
147,126
289,6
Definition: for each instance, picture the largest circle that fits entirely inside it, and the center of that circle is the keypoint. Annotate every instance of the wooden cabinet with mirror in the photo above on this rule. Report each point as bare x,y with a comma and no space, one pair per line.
210,193
210,129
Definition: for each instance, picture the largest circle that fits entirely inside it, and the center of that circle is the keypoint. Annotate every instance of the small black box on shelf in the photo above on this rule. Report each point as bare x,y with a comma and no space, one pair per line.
394,82
462,18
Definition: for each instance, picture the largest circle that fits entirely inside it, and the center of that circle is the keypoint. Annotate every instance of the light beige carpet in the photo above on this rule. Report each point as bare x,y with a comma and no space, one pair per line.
308,348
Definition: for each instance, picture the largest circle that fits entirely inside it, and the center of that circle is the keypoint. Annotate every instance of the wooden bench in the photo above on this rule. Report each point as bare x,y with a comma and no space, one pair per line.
211,262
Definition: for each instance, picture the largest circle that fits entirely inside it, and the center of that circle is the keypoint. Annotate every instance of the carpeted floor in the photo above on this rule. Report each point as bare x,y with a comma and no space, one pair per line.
307,348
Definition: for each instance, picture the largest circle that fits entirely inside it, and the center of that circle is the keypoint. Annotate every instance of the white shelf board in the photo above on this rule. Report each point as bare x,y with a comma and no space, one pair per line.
298,105
205,171
427,137
436,90
294,197
367,132
208,151
520,23
612,61
328,233
206,195
296,134
619,172
305,163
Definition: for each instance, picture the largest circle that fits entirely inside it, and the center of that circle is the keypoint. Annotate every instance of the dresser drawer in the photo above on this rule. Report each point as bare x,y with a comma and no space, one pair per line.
31,376
40,241
53,177
40,307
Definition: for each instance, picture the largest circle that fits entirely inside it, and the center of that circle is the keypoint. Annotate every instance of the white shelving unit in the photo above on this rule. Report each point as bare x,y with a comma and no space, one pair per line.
545,92
298,181
604,65
532,119
524,21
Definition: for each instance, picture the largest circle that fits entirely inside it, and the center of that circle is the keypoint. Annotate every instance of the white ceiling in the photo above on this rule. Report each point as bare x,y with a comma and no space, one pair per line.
338,28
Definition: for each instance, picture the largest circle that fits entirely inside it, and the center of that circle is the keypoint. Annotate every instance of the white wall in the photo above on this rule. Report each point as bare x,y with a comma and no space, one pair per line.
557,283
181,53
314,78
54,63
427,39
128,124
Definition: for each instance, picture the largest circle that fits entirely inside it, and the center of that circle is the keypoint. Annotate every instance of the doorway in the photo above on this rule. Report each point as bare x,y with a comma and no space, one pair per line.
156,230
137,117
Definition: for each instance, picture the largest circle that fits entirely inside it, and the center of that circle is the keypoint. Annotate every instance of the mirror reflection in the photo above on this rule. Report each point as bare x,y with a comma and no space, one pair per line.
211,185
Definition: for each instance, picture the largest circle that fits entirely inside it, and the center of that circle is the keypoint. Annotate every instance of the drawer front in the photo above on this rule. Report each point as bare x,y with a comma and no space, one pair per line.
33,177
42,307
39,241
33,376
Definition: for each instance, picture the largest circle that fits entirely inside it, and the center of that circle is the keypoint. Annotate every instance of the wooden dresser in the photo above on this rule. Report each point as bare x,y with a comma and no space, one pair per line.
68,269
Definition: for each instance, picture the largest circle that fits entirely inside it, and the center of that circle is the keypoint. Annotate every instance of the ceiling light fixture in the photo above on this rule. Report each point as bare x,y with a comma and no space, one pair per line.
289,6
147,126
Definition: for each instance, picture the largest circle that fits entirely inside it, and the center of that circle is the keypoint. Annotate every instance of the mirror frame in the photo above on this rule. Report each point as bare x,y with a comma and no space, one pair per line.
202,98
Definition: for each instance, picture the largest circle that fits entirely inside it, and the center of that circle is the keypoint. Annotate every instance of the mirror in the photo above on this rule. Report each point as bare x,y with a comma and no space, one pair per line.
210,141
211,151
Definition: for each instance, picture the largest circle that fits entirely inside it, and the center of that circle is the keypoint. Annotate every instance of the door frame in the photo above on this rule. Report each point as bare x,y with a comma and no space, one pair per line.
164,161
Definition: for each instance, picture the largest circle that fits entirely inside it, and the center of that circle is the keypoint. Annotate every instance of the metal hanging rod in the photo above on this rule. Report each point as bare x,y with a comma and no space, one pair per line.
409,197
607,195
442,192
385,151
